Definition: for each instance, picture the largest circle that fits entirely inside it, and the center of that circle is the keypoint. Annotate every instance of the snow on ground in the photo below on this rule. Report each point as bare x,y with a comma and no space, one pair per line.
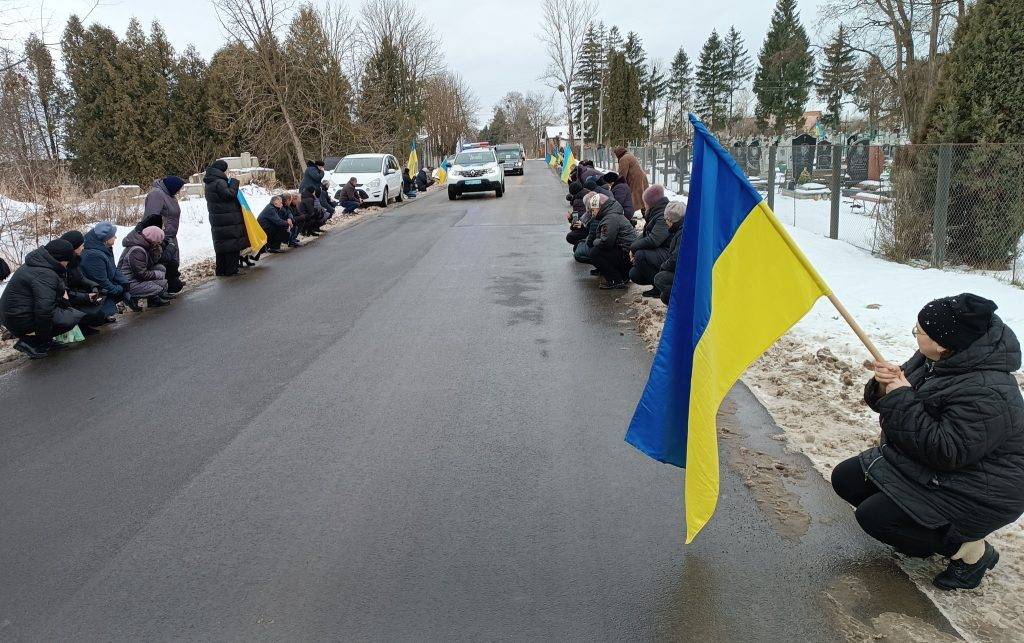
812,382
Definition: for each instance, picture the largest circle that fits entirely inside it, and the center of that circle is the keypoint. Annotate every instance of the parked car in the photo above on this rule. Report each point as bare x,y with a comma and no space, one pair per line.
512,157
378,177
476,170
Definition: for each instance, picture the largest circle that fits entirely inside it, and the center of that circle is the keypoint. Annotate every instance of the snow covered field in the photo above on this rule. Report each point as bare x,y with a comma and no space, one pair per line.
812,381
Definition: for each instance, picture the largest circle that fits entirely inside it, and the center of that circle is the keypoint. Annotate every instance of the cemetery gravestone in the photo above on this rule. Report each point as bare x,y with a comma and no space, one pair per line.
753,166
803,156
823,158
857,161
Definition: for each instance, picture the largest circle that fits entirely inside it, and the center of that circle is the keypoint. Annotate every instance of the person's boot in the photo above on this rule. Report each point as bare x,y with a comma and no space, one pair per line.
29,350
613,285
594,272
156,301
167,295
961,574
653,292
274,251
132,303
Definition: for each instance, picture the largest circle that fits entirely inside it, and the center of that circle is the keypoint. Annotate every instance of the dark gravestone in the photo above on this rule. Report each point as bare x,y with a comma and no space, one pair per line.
823,159
738,151
753,167
857,161
803,156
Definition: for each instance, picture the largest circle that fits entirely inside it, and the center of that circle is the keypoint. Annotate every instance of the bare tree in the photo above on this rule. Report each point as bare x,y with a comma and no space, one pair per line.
255,24
906,40
450,111
563,29
527,114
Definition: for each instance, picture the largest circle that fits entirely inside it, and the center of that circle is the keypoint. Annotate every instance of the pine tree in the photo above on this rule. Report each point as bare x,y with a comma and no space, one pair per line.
624,121
785,70
46,89
390,101
498,129
738,67
712,83
654,90
680,88
837,79
587,91
194,139
873,94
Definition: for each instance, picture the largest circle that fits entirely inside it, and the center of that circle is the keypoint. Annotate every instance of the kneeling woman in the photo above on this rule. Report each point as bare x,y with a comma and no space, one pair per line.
140,263
950,467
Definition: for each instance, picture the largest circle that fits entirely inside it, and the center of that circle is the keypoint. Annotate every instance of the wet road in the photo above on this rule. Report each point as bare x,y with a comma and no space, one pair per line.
410,430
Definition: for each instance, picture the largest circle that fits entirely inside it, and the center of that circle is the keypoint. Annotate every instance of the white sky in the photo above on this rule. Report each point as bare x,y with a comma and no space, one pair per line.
492,44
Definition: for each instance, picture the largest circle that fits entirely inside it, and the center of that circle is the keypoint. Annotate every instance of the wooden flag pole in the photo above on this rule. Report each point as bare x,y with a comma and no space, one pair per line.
856,327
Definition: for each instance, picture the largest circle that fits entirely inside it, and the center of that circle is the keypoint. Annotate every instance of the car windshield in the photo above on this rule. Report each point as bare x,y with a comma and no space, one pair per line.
361,165
508,155
475,157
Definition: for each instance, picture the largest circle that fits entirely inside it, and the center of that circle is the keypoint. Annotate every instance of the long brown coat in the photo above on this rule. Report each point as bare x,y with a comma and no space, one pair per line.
630,170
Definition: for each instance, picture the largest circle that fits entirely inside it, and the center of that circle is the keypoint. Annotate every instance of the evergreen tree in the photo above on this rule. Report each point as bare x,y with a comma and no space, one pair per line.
785,70
738,67
194,138
680,88
587,91
624,120
614,41
389,108
46,89
873,94
654,90
712,83
497,131
837,79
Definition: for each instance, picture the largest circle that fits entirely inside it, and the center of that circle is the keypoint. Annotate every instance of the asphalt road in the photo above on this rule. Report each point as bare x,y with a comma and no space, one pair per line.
411,429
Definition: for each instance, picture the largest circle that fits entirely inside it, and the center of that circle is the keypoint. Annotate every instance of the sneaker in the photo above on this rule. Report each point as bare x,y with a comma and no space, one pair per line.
653,292
133,303
613,285
31,351
88,331
294,244
275,251
961,575
168,295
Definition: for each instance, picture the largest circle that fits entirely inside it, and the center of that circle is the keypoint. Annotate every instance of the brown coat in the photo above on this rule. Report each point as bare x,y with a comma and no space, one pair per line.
633,174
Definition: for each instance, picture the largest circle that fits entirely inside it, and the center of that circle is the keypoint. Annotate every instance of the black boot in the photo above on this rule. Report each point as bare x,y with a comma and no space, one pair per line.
29,350
88,331
132,303
594,272
961,575
156,301
653,292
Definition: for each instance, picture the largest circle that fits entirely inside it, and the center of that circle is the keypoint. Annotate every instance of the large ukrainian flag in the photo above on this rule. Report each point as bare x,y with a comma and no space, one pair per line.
740,283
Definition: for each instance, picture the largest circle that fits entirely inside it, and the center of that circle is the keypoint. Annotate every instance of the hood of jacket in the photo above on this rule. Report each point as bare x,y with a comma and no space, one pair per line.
154,220
41,258
997,350
214,174
94,243
159,185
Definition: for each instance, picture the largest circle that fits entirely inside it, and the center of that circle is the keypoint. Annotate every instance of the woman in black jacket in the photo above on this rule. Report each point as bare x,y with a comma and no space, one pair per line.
226,223
34,306
949,469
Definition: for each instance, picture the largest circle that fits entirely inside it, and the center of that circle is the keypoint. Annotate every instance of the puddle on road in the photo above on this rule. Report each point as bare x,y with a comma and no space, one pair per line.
862,616
513,292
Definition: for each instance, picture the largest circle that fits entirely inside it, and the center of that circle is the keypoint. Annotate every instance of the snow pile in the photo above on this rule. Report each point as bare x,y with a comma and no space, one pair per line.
812,383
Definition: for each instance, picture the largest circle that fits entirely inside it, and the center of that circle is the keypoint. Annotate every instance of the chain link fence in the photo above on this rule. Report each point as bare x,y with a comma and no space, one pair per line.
955,207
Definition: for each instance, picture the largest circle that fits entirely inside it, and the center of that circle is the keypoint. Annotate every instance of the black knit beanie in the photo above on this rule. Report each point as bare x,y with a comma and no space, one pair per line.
60,250
957,322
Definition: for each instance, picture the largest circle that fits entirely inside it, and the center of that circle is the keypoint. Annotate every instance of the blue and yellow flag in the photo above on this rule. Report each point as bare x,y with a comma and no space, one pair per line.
442,172
741,282
253,230
570,162
414,161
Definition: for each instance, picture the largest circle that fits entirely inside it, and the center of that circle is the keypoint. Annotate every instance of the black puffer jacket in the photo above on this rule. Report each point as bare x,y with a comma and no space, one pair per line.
613,230
34,292
676,236
226,223
952,451
312,178
620,190
655,234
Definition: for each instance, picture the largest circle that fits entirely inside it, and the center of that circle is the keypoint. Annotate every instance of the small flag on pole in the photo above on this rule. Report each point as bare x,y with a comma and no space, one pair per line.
570,162
253,230
414,161
741,283
442,172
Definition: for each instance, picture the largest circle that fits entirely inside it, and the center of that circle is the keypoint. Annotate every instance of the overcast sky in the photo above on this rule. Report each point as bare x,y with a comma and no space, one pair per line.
492,44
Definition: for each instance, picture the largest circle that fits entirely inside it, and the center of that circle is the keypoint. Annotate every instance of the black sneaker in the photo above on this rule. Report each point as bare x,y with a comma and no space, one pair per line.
133,303
88,331
31,351
653,292
275,251
157,302
961,575
613,285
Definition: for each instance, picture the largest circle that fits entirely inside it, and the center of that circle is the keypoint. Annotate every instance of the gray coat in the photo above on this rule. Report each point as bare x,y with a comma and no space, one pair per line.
160,202
139,261
655,234
952,453
613,229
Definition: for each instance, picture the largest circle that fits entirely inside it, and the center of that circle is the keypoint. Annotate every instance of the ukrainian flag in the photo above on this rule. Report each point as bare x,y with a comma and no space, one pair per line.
442,173
253,230
570,162
741,282
414,161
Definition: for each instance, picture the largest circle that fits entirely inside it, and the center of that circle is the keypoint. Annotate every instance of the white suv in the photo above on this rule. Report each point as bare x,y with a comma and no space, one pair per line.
378,177
475,170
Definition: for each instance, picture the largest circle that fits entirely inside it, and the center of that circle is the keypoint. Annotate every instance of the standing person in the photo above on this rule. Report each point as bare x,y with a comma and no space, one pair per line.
633,175
31,306
674,214
610,241
274,221
950,466
140,264
98,265
226,224
349,197
312,177
162,200
652,248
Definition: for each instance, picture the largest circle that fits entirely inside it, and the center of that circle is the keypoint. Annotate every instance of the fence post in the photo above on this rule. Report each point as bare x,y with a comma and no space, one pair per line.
837,162
941,212
773,152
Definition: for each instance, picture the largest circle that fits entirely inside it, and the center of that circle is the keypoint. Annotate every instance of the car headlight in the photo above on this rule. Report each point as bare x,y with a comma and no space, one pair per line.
374,184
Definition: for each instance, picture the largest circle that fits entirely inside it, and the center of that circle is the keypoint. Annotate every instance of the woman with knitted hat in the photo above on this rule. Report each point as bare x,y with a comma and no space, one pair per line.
140,263
950,466
98,265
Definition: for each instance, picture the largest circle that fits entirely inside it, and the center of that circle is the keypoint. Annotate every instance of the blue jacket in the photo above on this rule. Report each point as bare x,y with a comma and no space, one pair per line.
311,179
98,265
273,216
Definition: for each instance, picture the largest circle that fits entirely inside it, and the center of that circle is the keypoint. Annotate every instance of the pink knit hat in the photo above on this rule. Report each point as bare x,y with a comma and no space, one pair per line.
653,194
153,234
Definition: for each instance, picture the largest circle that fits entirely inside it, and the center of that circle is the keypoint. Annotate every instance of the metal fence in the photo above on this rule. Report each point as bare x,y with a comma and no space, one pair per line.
956,207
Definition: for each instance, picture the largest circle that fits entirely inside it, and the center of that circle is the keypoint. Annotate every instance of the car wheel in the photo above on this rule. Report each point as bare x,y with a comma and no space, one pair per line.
400,197
384,198
499,191
452,194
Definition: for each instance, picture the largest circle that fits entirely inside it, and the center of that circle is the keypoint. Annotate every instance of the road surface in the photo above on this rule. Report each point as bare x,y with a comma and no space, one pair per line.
411,429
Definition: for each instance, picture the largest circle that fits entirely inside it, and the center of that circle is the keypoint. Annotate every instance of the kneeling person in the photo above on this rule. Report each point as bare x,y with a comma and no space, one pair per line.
612,237
140,264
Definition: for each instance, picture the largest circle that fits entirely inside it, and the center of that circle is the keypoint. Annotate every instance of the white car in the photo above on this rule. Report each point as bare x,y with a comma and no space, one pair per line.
378,177
476,170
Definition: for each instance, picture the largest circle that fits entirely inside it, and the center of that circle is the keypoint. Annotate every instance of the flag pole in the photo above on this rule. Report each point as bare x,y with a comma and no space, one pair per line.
861,335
